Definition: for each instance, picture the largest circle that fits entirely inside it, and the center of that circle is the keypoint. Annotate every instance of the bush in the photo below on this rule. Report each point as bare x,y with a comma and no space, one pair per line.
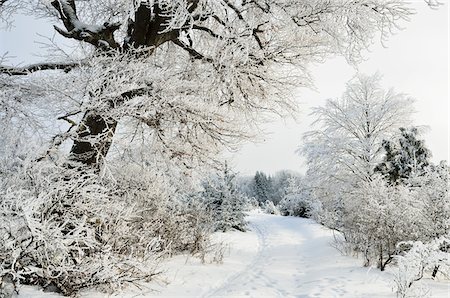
68,228
297,205
299,201
371,222
270,208
418,260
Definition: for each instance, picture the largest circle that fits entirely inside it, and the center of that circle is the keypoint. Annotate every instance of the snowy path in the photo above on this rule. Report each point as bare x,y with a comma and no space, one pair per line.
294,259
286,257
278,257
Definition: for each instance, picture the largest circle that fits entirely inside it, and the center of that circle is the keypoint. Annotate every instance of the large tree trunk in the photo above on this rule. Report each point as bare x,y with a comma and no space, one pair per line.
94,138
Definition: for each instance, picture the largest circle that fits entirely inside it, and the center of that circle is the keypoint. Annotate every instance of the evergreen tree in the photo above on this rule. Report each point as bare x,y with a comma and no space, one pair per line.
281,184
225,201
406,157
262,187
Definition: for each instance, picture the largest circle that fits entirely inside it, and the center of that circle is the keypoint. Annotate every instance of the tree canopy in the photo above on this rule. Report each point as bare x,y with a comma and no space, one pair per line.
184,77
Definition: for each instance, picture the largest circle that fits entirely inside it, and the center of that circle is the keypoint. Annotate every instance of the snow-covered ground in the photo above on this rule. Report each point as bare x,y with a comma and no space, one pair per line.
278,257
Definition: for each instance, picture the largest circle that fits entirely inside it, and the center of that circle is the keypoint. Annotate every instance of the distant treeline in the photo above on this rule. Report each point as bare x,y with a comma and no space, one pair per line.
264,187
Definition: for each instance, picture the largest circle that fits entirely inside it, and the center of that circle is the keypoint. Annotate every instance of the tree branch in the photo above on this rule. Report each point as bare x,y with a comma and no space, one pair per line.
18,71
97,35
194,54
207,30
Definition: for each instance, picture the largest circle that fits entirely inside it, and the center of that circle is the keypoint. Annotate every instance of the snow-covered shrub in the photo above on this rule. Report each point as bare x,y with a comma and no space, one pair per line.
299,201
296,204
69,228
410,269
252,203
224,201
378,216
64,228
431,189
270,208
418,260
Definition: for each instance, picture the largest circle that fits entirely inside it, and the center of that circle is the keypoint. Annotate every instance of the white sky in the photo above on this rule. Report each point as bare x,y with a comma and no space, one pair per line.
415,62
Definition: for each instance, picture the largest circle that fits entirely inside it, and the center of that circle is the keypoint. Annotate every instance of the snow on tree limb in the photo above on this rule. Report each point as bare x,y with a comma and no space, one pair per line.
101,36
350,131
37,67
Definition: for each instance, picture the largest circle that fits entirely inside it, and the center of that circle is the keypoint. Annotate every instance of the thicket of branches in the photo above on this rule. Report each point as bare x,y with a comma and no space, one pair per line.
68,229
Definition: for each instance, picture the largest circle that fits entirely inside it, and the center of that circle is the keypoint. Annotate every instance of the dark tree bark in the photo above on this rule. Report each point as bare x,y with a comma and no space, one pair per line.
95,134
435,271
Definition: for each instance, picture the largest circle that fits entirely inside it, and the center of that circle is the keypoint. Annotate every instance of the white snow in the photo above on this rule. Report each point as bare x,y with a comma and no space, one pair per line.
278,257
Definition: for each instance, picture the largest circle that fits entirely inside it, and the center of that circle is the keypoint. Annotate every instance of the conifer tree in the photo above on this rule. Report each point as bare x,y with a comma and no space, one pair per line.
404,157
225,201
262,187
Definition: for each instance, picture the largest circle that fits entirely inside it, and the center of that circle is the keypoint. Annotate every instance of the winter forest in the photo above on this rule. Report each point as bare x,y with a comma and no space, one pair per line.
115,172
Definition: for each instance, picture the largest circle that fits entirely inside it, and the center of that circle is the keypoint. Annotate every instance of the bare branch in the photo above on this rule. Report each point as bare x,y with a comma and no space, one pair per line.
207,30
17,71
194,54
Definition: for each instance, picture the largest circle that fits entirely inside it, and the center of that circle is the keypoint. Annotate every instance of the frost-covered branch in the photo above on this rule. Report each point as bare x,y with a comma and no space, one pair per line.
25,70
351,130
97,35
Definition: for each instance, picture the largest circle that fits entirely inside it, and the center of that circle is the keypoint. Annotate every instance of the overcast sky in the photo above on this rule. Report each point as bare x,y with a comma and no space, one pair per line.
415,62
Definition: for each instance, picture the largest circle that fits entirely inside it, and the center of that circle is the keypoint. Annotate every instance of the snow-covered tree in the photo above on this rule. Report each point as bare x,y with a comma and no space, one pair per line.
245,185
299,200
348,143
185,76
262,187
224,201
349,157
281,182
405,157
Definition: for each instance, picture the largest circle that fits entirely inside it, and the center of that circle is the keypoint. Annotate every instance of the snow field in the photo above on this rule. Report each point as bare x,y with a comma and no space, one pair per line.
278,257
